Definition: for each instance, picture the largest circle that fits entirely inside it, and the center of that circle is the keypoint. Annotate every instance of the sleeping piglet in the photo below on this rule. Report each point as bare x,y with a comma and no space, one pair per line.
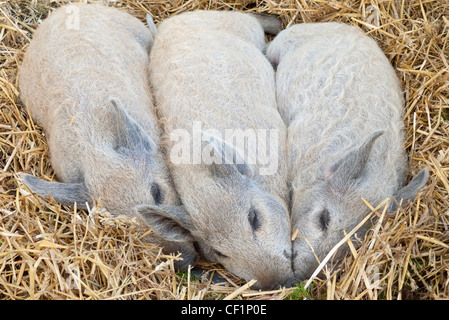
214,93
343,105
84,79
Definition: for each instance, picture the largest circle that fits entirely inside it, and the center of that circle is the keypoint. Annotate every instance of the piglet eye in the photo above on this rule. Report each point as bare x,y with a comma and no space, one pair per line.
157,194
219,254
254,219
324,220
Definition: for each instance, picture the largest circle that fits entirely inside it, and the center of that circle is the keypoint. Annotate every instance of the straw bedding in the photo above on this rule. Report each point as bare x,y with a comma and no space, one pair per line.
49,251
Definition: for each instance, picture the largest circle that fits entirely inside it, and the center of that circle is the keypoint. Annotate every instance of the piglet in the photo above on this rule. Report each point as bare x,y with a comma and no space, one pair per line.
214,94
343,105
84,79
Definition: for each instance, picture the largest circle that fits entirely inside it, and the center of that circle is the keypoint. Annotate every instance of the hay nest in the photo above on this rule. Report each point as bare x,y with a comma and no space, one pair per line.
49,251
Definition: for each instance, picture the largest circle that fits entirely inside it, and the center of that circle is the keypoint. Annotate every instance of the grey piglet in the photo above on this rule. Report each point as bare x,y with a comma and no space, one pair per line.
343,106
84,79
208,71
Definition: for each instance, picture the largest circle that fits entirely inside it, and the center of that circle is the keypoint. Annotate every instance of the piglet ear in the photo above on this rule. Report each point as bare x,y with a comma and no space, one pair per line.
408,192
65,193
171,223
353,164
228,159
128,134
